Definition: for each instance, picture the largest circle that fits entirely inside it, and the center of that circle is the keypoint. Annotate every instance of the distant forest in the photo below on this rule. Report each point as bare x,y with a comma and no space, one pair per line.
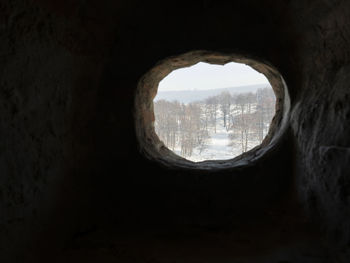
246,116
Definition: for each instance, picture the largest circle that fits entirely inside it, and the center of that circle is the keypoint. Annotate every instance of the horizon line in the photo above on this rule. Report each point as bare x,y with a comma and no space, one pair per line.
213,88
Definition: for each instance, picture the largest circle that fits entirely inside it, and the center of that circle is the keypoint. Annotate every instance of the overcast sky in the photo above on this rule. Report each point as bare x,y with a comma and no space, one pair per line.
207,76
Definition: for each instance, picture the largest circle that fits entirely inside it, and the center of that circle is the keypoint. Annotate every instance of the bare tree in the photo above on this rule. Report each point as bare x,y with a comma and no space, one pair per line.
225,99
166,125
212,103
243,120
181,125
266,101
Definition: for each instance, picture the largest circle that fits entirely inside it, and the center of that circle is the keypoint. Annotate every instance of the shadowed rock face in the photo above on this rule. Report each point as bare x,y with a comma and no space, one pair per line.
70,163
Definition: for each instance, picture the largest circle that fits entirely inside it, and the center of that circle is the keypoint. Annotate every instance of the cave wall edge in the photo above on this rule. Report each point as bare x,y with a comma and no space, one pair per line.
68,78
320,123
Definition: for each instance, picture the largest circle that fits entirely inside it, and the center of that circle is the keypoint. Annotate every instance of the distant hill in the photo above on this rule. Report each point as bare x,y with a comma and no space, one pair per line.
187,96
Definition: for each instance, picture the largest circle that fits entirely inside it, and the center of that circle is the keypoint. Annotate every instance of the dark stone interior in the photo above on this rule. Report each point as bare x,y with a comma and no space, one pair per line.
74,186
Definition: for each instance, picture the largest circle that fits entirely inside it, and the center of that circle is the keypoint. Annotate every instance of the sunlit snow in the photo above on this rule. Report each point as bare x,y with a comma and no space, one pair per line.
217,147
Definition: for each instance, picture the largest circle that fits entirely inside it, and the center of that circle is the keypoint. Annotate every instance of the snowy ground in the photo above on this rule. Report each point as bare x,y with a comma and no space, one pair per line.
217,148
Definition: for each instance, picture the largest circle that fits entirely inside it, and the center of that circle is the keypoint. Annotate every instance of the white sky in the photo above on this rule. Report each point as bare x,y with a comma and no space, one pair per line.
207,76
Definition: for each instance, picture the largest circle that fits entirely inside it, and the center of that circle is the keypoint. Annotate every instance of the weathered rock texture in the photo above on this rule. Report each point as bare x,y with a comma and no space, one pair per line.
321,118
69,158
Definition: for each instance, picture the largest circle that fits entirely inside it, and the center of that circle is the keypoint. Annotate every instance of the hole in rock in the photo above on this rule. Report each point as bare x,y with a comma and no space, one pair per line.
213,112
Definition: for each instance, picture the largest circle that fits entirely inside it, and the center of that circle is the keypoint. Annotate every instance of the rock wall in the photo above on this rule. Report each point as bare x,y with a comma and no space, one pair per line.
69,71
47,101
320,119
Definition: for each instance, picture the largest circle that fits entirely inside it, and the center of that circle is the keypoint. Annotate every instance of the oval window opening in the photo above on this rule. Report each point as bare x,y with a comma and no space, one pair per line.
213,112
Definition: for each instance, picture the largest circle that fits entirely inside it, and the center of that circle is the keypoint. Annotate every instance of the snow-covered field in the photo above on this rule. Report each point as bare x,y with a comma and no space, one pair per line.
220,146
217,147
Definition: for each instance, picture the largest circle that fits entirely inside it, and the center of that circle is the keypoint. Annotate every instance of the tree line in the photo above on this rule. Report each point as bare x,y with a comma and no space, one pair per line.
246,116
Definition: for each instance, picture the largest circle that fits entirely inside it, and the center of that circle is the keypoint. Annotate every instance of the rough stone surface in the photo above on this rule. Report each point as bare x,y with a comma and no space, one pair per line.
69,157
321,121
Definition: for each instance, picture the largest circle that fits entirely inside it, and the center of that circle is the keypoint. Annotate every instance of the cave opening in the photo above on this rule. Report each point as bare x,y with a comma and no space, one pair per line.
210,110
213,112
